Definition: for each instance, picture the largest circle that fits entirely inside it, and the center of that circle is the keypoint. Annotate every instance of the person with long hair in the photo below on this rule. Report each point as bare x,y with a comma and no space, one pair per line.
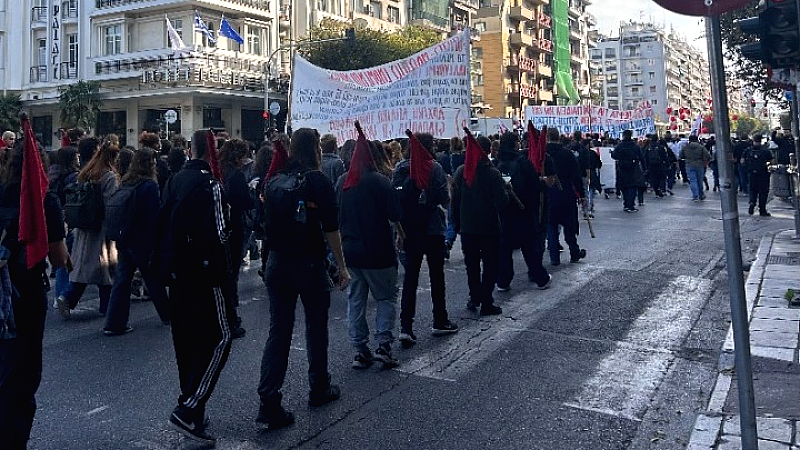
237,196
21,345
296,268
67,161
93,256
135,249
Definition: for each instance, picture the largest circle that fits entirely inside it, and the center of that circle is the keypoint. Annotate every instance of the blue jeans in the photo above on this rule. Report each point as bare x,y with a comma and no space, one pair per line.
383,285
450,232
696,175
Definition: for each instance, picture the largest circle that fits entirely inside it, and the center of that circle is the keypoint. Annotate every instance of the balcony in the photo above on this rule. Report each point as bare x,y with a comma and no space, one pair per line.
474,33
576,59
428,20
634,82
520,39
39,16
574,12
544,70
68,70
545,45
575,35
259,8
591,20
545,95
468,4
522,13
285,16
39,74
545,21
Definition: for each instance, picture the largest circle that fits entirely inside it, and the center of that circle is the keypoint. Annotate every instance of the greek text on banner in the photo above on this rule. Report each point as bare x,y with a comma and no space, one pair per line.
594,119
427,92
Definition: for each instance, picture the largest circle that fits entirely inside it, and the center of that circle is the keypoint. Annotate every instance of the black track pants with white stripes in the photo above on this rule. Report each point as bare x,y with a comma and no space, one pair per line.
202,337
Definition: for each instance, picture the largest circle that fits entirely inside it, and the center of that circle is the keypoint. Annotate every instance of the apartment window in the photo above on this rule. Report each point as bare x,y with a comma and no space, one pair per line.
611,53
651,62
375,9
41,49
213,30
112,39
322,5
597,54
254,40
477,80
477,53
655,101
393,14
480,26
652,89
178,25
652,75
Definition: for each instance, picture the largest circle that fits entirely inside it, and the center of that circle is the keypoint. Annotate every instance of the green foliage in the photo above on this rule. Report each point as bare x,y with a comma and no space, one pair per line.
10,106
752,73
750,125
371,48
80,104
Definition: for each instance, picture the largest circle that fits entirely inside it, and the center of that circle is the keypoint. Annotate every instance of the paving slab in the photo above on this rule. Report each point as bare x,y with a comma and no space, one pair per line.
783,354
769,428
773,339
777,313
783,326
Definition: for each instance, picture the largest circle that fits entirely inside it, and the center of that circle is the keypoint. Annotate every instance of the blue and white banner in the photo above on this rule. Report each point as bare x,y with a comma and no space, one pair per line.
594,119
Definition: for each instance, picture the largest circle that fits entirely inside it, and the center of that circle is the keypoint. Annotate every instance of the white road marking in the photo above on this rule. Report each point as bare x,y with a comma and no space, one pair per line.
97,410
626,378
472,345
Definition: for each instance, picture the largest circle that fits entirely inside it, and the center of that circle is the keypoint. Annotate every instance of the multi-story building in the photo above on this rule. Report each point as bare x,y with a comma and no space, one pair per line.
580,42
644,63
516,50
124,44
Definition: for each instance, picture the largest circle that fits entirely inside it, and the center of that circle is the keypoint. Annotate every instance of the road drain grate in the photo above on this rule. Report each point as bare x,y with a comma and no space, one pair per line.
785,260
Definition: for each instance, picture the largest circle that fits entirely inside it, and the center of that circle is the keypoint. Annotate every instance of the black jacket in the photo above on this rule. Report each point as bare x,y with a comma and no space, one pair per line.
525,182
628,156
438,194
567,168
476,208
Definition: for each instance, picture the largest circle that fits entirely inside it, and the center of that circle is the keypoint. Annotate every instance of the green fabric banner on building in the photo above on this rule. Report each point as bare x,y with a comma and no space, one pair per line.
563,76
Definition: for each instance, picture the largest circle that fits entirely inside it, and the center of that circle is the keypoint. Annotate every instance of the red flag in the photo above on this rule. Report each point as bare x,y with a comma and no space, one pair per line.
474,153
32,223
421,162
362,158
213,156
534,149
65,142
279,159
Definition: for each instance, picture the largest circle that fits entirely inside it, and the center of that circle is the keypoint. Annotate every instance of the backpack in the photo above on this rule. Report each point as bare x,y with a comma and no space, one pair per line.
285,214
120,211
172,238
752,163
654,156
415,204
83,205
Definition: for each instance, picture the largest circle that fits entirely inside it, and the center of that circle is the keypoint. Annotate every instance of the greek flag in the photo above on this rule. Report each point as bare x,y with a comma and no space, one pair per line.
225,30
200,27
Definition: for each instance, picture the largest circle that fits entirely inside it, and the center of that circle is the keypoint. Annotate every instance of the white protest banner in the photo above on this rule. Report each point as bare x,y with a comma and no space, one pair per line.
428,92
594,119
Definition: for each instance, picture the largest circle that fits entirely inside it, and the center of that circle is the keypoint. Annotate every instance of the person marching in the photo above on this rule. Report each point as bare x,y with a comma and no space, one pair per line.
479,194
756,160
422,187
367,207
563,196
192,227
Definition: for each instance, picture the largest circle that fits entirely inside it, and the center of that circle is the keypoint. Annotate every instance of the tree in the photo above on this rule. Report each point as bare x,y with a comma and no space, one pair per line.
750,125
80,104
10,106
752,73
371,47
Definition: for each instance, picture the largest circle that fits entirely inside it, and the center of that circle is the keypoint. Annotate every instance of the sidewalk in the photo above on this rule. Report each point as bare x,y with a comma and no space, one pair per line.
774,337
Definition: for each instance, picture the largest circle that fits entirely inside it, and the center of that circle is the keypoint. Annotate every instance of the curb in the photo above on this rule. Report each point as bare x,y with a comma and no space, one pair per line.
708,425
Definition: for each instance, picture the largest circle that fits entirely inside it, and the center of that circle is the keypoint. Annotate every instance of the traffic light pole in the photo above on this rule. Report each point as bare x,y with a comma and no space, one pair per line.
733,244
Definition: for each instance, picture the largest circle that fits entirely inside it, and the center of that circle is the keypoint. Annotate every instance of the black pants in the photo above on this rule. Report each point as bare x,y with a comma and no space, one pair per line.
759,190
21,369
658,179
479,248
682,168
287,278
119,305
629,196
525,235
563,212
432,248
202,338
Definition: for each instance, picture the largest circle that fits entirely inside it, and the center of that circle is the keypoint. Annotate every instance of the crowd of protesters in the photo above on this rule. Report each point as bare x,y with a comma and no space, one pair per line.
316,214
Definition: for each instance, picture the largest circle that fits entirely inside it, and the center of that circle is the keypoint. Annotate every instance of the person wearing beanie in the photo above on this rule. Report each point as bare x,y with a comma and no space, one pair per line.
479,194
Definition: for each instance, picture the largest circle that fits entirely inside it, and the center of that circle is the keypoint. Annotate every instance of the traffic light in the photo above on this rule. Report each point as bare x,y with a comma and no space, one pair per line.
779,35
350,35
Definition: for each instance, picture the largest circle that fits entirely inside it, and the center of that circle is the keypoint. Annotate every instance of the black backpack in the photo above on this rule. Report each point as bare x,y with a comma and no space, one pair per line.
285,213
120,211
83,205
415,203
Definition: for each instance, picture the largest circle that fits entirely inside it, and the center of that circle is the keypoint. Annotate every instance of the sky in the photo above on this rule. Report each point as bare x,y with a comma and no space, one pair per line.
610,13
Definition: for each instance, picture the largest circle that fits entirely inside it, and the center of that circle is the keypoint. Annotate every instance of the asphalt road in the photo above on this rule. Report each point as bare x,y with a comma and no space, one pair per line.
619,354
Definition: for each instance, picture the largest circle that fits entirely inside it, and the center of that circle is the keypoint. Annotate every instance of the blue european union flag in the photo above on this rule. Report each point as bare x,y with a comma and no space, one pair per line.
225,30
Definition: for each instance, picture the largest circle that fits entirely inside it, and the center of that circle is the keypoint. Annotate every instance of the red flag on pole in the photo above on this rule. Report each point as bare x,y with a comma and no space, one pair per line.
421,162
474,153
279,158
362,158
534,149
32,222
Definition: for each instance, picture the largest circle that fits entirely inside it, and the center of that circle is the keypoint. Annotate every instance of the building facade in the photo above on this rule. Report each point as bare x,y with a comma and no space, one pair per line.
646,64
213,82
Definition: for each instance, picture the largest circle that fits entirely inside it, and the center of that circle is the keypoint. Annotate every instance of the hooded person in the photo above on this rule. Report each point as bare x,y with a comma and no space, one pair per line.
562,198
368,206
479,194
421,184
520,220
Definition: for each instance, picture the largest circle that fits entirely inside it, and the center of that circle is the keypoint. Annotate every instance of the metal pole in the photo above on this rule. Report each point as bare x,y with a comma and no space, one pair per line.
733,244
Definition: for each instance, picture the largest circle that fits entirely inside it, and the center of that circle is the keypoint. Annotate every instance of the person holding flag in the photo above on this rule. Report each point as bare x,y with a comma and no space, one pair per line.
368,206
479,194
32,225
421,184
